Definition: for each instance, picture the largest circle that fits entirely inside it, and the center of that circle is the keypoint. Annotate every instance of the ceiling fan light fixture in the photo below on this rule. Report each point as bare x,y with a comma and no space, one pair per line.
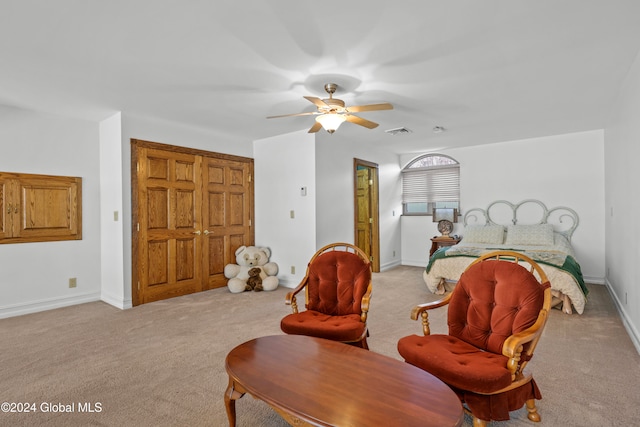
331,121
331,112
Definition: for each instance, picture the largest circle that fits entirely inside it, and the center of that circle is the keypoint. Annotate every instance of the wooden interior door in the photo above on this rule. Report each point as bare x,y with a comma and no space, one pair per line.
169,255
226,211
363,210
191,210
366,221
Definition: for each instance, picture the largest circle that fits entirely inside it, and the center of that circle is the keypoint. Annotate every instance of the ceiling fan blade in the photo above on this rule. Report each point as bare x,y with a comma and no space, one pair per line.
293,115
360,121
315,128
317,101
370,107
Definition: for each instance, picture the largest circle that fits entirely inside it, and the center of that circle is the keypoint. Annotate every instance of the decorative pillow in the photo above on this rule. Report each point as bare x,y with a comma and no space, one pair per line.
538,234
493,234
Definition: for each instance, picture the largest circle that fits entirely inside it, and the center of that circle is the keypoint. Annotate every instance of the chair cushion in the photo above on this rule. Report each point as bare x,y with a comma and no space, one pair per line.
493,300
456,362
347,327
336,283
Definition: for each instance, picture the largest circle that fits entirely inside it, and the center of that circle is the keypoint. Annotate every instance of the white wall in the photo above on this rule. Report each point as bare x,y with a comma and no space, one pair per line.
324,164
283,165
112,263
560,170
622,207
335,198
35,276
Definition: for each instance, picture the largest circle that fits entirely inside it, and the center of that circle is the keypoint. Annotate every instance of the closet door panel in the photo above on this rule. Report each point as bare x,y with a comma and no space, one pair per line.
169,251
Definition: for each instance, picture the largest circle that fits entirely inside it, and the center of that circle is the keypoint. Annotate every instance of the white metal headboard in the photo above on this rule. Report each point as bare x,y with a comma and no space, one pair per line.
564,220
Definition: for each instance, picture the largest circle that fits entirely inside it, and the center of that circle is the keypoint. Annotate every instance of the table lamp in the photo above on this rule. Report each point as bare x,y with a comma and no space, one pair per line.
445,217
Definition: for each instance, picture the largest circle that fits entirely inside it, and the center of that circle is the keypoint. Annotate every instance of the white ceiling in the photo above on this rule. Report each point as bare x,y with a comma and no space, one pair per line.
487,71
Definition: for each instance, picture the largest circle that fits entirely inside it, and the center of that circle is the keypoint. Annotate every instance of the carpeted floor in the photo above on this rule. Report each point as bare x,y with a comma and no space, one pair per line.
162,364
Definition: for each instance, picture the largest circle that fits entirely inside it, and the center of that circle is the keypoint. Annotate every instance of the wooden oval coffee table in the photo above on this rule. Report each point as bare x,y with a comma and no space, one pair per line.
317,382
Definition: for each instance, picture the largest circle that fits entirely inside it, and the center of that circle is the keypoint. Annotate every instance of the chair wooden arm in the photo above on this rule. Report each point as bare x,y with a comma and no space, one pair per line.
364,304
429,305
290,298
513,345
421,310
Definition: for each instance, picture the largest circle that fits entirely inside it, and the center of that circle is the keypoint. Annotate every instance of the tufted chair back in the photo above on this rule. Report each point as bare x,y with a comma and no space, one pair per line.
337,282
492,301
337,289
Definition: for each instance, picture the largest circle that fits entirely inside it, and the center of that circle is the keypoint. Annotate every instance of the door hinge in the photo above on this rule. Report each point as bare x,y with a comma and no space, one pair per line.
138,286
249,177
371,258
249,223
138,227
370,220
138,167
370,182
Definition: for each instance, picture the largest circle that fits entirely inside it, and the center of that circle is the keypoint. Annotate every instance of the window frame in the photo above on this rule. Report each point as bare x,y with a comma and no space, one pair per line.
451,197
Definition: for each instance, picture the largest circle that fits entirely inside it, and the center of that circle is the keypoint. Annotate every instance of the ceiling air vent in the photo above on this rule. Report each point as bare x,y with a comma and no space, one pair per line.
398,131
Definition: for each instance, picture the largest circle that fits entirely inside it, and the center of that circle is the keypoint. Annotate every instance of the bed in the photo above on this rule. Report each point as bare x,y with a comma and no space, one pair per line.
528,227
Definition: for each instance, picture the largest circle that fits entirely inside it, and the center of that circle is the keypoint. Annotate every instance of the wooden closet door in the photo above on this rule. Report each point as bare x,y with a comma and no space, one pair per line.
169,204
226,212
191,210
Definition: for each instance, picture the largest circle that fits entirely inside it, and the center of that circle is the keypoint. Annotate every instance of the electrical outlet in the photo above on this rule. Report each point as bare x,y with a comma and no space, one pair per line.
293,269
73,282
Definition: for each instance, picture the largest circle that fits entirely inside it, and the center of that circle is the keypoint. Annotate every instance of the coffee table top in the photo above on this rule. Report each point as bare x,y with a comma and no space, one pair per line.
327,383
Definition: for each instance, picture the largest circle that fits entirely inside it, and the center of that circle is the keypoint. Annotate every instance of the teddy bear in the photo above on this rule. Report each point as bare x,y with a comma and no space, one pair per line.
248,257
254,282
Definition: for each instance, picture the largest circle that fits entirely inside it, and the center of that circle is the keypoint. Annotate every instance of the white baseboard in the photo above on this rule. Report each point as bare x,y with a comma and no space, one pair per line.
46,304
415,263
594,280
629,326
117,302
390,265
288,282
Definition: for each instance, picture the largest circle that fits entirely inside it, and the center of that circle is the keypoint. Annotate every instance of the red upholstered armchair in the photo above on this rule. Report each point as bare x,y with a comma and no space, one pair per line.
496,315
337,293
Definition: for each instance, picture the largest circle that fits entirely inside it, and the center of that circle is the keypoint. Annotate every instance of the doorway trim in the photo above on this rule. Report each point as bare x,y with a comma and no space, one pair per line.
374,205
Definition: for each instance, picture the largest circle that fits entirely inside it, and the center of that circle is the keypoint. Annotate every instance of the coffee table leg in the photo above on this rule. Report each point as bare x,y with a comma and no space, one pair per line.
234,392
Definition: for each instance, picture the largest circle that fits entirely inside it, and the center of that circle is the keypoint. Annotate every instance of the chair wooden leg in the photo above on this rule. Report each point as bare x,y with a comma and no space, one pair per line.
533,411
477,422
364,344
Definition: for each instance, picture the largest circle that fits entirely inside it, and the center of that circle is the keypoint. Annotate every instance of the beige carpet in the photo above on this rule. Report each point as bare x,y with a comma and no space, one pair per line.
162,364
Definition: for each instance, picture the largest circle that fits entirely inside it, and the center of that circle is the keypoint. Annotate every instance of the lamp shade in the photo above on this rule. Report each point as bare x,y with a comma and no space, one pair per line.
330,121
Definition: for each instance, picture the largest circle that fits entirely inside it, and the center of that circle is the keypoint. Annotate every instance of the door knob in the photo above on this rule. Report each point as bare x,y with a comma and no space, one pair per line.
206,232
197,232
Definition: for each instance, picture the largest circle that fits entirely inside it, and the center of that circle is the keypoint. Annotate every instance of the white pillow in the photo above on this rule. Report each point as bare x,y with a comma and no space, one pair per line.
538,234
493,234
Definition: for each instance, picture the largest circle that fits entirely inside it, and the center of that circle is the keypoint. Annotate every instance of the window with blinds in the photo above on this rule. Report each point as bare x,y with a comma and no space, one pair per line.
430,181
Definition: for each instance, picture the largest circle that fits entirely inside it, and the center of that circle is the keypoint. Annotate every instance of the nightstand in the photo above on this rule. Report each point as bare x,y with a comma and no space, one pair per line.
440,241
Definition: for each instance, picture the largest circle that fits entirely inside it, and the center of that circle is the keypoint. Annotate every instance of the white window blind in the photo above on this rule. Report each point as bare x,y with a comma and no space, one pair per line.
433,184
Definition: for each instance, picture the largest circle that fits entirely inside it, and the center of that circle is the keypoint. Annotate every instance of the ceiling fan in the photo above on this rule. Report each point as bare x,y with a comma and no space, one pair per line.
332,112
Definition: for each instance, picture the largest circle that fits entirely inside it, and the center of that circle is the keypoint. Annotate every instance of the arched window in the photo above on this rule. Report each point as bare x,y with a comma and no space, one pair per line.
429,182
